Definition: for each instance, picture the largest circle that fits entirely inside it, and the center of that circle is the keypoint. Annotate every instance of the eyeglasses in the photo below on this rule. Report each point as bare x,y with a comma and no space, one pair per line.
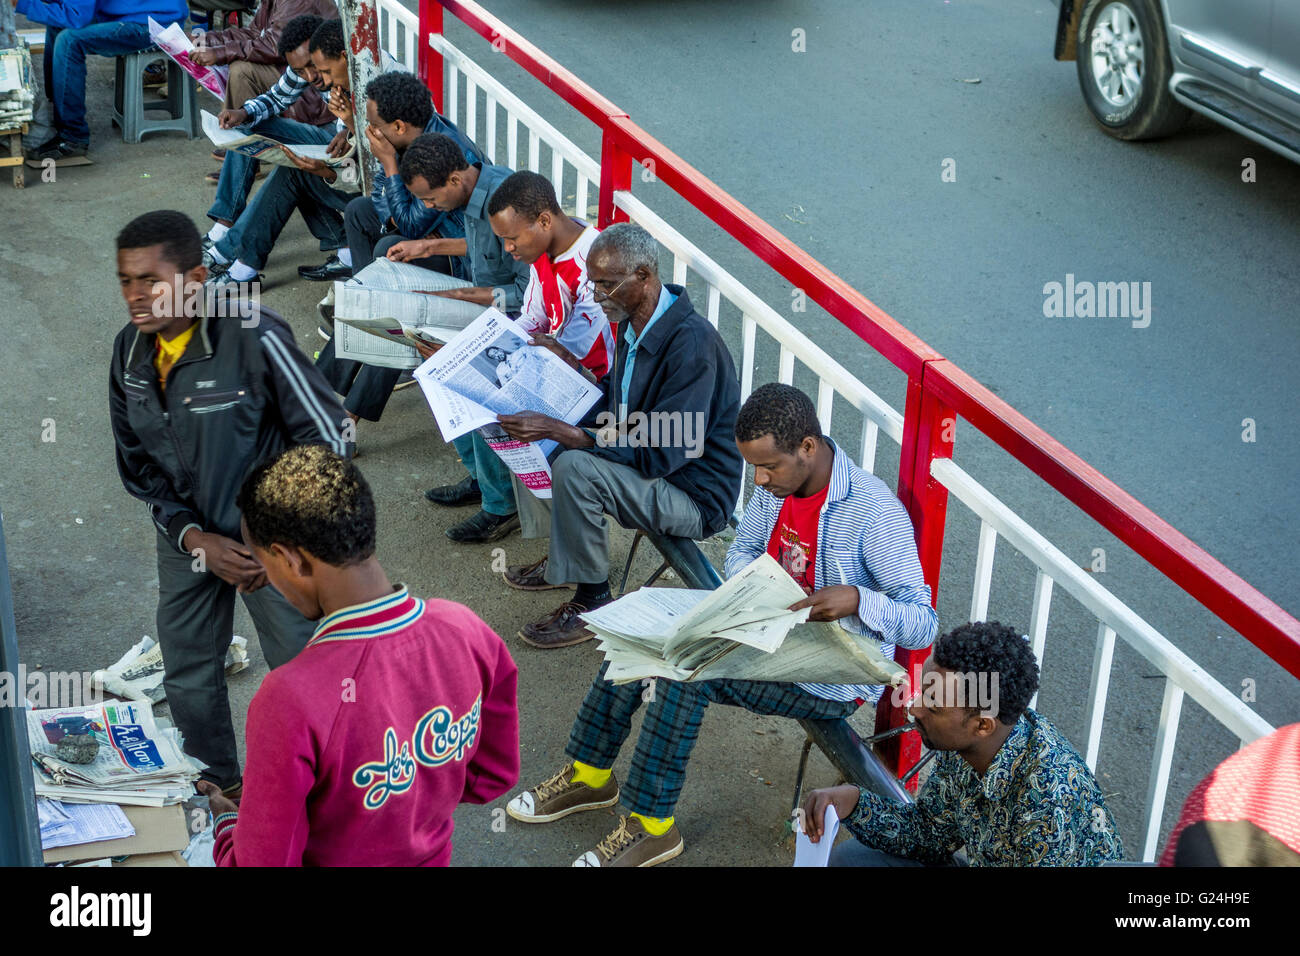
597,293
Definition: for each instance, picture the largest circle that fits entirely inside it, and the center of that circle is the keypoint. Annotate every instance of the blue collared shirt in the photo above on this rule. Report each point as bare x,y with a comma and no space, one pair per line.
491,267
666,300
864,539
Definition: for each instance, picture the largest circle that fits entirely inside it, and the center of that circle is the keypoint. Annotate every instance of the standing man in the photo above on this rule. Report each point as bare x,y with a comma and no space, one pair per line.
196,401
75,29
437,172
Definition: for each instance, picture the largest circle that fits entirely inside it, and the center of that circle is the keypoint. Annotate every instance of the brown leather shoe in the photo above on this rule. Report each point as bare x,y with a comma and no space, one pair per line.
561,628
530,577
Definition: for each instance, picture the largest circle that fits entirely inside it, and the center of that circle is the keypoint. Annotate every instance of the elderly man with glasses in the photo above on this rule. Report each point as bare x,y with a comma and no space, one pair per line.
670,366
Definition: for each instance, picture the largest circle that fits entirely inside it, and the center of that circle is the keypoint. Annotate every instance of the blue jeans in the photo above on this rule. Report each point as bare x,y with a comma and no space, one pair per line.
253,236
238,170
486,467
65,67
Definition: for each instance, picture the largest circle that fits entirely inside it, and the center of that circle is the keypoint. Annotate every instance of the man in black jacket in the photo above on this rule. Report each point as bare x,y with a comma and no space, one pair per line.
196,400
659,453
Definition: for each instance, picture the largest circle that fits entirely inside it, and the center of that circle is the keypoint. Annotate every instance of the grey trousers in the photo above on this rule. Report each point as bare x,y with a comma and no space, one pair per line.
584,489
196,612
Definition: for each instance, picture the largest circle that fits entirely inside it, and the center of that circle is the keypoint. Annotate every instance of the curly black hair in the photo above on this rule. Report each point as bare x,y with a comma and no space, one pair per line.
433,156
174,231
988,647
527,193
296,32
401,96
328,39
781,411
310,498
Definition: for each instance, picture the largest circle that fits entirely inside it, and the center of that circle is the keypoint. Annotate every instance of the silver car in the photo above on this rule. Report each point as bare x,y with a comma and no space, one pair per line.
1144,65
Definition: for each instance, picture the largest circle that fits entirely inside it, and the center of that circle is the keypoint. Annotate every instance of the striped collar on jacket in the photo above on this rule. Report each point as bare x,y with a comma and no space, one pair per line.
384,615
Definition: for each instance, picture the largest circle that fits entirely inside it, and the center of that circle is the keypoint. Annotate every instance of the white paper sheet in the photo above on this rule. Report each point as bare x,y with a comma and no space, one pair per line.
807,853
84,823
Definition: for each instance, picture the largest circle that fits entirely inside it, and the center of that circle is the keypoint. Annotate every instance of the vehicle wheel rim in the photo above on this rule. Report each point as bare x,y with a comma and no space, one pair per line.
1117,54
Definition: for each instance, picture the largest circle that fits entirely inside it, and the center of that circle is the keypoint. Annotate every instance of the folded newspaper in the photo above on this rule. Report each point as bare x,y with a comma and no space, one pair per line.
267,149
489,369
138,762
138,674
173,41
390,302
743,631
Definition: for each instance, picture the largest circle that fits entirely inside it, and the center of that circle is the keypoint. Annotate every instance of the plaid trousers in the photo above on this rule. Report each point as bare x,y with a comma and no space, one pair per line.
671,727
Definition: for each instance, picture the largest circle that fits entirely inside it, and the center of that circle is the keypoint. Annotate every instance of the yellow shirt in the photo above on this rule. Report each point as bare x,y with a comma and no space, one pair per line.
169,352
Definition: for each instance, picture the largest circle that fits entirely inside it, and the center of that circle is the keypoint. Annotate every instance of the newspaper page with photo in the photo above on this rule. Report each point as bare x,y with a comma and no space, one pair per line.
173,41
490,369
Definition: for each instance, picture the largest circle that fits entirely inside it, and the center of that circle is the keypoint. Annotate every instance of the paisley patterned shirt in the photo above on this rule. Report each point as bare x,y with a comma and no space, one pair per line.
1036,805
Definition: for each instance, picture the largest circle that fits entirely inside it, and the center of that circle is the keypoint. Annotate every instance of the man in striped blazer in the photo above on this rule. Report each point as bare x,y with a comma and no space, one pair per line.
844,537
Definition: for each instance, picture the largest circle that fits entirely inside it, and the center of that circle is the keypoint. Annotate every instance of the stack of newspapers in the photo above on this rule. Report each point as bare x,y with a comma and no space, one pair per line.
743,631
138,763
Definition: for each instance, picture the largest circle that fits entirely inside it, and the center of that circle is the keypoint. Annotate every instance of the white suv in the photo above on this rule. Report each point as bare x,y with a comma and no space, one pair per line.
1145,64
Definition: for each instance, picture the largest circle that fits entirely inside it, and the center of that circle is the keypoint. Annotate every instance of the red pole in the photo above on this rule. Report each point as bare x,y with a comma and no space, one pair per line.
929,429
428,60
615,174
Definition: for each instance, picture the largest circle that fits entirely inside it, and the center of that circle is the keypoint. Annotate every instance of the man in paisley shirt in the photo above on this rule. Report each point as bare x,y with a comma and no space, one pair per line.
1006,784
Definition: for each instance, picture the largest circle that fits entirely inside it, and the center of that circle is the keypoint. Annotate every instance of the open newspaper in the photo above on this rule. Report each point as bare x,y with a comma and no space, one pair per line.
743,630
138,762
387,305
489,369
173,41
267,149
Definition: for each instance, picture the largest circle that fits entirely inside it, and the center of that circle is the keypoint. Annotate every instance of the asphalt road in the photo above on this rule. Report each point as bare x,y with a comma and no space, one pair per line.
842,148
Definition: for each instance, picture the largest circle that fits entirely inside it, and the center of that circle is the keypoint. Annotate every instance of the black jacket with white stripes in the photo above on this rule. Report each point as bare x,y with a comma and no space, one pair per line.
241,392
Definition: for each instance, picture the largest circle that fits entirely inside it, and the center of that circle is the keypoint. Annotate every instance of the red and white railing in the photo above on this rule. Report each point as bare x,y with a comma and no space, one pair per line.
938,393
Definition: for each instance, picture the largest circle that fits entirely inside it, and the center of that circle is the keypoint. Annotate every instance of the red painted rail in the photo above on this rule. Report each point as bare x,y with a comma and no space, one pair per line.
938,392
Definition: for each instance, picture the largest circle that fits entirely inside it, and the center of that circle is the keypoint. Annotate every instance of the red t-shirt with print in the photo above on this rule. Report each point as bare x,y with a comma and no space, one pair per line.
794,537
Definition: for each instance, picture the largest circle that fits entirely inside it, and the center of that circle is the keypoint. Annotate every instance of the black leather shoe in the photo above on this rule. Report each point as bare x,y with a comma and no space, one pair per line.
483,527
333,269
461,493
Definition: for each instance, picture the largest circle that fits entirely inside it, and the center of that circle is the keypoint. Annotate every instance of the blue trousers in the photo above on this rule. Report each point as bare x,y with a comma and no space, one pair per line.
253,235
671,726
486,467
238,171
65,67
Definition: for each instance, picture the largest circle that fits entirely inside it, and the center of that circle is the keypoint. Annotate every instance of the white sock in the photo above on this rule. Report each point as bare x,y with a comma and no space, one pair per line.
242,273
345,257
218,232
217,256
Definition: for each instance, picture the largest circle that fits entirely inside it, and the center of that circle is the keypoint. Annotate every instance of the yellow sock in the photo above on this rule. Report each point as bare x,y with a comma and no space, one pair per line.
593,777
655,826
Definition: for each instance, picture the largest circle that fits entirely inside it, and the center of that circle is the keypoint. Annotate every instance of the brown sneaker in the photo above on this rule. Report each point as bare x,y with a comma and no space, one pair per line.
530,577
559,796
631,845
561,628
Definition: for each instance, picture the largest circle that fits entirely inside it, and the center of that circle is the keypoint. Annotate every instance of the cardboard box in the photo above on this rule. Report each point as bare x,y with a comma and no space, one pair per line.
157,830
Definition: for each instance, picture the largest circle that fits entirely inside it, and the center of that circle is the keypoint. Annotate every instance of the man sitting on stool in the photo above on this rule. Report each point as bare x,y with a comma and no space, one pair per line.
669,363
843,536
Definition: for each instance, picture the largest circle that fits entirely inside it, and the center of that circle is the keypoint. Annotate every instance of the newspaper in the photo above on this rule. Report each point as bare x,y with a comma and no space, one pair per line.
743,630
267,149
391,301
138,762
71,824
173,41
138,674
489,369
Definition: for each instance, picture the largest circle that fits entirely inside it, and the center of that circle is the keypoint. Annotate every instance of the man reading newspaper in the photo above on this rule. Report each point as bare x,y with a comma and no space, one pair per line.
844,538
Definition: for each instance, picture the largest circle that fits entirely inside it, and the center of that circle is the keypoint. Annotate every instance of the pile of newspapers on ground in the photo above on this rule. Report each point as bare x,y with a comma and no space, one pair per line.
741,631
17,93
137,762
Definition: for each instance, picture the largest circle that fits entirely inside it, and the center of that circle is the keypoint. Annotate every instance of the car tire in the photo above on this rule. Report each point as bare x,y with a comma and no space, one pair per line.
1124,68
